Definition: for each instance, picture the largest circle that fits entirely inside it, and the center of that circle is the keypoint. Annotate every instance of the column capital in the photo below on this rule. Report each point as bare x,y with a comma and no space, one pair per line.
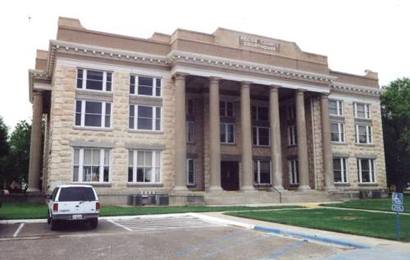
274,88
213,80
246,84
300,91
37,93
180,76
324,95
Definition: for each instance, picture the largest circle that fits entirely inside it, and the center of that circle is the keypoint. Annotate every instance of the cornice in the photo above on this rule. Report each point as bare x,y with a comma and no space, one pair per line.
269,70
355,89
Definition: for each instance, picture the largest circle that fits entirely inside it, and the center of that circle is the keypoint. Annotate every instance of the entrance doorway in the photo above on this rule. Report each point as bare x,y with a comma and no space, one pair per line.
230,175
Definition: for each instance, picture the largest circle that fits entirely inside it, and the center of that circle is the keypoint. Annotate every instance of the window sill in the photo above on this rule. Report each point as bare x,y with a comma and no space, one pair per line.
89,128
293,146
338,143
341,184
145,96
262,185
158,132
94,91
229,144
94,184
260,146
336,116
144,185
365,145
370,184
191,185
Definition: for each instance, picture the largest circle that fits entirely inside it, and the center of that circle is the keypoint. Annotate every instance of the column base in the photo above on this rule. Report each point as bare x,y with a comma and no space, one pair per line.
33,190
215,188
331,188
247,188
304,188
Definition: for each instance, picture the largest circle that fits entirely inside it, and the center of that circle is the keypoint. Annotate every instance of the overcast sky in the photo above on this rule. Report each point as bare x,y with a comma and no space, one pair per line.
355,35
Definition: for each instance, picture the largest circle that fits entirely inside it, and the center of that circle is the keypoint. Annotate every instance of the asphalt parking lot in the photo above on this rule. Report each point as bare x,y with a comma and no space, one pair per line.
174,237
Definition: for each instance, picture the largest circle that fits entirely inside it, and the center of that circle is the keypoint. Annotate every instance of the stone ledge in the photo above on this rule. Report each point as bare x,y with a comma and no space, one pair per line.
145,185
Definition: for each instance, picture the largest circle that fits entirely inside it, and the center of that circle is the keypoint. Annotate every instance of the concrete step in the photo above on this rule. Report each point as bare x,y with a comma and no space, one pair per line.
240,197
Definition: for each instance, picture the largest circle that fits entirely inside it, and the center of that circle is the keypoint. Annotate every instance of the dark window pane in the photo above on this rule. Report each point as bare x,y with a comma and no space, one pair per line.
106,174
222,133
140,174
132,84
108,108
263,113
76,194
253,113
254,136
145,124
79,78
229,109
264,171
107,121
144,81
143,90
94,80
144,111
93,107
230,134
222,108
158,88
130,174
78,106
263,136
77,118
158,82
92,120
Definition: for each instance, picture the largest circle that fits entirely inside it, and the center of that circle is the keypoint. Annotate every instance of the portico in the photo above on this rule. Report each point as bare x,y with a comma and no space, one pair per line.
244,97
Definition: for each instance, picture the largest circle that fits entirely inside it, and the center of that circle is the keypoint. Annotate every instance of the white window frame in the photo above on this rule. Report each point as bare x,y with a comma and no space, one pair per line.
369,137
343,169
193,171
340,133
225,110
104,83
154,85
367,114
372,171
256,131
101,165
226,133
103,114
292,136
293,172
154,115
258,172
339,107
153,166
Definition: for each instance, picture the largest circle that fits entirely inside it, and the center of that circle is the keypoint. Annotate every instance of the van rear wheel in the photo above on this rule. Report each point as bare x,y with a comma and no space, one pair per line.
53,224
93,223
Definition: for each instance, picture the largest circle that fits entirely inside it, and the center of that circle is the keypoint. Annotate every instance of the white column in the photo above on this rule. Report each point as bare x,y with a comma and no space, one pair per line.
276,147
35,144
214,135
246,138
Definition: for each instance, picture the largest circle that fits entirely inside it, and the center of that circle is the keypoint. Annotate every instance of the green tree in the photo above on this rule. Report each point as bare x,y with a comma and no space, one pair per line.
20,150
4,152
396,131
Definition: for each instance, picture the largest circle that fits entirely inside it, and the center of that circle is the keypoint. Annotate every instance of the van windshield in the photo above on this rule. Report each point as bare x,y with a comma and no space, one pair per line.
76,194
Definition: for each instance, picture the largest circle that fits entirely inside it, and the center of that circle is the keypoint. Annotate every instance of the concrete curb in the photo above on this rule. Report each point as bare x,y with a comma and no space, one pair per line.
310,237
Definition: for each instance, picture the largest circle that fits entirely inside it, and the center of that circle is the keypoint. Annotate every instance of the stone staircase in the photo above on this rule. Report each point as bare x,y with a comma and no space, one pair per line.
241,198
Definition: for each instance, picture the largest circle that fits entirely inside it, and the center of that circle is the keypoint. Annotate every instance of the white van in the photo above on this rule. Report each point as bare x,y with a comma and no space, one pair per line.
73,203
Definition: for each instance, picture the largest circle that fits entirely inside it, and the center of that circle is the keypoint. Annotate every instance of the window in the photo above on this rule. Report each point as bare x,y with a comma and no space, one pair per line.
190,168
76,194
262,171
363,134
292,137
335,107
225,109
337,132
340,170
190,131
145,86
260,113
93,114
290,112
261,136
365,168
94,80
227,133
293,172
144,166
91,165
362,110
145,118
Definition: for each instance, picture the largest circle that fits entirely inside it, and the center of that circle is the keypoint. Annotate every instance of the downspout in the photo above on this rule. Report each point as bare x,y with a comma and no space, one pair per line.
280,194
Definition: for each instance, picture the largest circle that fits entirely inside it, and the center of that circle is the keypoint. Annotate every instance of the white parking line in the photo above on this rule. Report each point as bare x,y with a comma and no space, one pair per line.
119,225
18,230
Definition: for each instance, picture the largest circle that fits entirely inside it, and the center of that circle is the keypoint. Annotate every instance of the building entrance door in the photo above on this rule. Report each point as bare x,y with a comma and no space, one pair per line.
230,175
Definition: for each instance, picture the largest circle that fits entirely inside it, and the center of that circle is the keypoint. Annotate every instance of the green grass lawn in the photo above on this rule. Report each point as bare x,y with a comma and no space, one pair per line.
37,210
373,224
373,204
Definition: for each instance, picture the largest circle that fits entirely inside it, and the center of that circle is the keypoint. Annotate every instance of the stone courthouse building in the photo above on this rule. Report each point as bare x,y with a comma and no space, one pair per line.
222,118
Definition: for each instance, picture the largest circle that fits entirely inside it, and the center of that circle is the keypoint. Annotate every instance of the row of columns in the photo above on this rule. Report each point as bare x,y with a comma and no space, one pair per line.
246,137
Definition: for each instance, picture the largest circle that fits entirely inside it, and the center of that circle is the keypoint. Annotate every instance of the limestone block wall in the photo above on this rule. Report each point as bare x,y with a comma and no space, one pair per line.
353,151
63,133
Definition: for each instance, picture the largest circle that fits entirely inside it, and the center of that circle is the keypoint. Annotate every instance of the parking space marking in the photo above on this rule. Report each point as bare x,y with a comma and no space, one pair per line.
18,230
119,225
